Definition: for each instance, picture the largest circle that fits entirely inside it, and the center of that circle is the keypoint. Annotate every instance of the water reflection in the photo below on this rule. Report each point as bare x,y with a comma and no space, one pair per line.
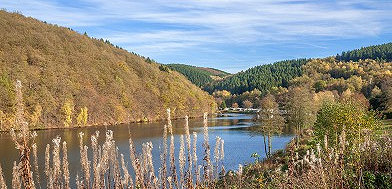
235,129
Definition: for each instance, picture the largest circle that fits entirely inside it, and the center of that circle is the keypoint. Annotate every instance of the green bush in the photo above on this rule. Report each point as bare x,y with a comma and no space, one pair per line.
383,181
369,180
378,180
164,68
334,118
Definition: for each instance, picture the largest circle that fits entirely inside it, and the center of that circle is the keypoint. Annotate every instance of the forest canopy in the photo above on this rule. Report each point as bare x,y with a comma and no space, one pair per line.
376,52
262,77
198,75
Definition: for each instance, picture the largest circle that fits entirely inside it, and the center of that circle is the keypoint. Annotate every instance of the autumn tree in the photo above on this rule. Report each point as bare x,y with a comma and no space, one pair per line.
357,99
270,120
234,105
387,95
2,117
323,97
222,94
219,102
223,105
376,91
335,118
247,104
68,109
36,115
82,117
301,111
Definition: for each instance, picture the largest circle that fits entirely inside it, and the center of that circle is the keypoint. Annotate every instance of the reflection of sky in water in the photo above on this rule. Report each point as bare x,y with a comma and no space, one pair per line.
240,142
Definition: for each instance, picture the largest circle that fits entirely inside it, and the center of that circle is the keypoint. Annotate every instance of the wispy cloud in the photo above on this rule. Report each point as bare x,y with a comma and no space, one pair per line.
158,26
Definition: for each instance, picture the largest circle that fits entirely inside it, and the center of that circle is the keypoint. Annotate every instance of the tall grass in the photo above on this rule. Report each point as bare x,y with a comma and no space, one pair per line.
2,181
322,167
22,139
109,169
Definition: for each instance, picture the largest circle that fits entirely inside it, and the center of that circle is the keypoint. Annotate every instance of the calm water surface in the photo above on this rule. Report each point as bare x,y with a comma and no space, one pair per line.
234,129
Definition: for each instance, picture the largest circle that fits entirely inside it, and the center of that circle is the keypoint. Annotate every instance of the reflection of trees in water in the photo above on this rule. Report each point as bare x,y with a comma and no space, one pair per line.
287,129
234,121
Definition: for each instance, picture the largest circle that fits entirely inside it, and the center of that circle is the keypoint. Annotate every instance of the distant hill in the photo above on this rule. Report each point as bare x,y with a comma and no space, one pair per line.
262,77
61,68
199,76
375,52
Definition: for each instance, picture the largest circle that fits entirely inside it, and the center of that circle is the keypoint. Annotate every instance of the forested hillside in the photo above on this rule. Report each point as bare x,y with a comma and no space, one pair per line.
370,78
67,76
262,77
334,106
366,71
198,75
376,52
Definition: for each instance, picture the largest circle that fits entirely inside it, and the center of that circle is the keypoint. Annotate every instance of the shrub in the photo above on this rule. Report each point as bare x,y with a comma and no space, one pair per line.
164,68
336,118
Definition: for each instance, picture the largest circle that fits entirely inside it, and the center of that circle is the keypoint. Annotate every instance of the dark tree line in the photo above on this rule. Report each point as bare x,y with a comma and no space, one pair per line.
262,77
376,52
196,75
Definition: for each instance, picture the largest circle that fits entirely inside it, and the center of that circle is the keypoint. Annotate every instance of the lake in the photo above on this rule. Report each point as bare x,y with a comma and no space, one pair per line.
234,129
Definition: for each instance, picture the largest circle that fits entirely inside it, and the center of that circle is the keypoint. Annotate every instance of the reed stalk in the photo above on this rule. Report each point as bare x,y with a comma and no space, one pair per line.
163,168
22,139
65,166
181,160
48,172
34,147
207,168
56,168
109,168
189,177
2,181
173,171
16,183
194,155
127,179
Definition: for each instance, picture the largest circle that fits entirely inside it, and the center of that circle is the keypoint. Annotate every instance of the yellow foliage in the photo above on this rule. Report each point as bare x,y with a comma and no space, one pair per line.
58,63
224,94
323,97
68,109
36,115
2,117
82,117
124,66
121,114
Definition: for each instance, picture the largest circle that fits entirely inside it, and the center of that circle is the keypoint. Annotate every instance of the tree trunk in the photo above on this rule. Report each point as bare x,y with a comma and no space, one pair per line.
265,145
269,144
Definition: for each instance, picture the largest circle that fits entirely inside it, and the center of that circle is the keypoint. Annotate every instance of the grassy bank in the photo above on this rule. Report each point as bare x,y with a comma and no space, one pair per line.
309,164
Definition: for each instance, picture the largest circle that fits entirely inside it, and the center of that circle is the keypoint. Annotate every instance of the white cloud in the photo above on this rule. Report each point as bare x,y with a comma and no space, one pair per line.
232,18
173,25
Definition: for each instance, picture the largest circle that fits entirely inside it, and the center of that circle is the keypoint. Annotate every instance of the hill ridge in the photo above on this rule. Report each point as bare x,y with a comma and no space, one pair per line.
59,66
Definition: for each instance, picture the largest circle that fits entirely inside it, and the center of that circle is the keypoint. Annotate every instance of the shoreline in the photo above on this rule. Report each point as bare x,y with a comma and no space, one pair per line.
216,114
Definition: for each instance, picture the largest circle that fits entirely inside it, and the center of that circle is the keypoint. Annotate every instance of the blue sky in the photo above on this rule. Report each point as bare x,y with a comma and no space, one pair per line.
231,35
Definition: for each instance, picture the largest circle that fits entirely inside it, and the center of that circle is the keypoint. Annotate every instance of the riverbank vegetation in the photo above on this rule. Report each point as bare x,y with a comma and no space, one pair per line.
343,149
337,108
103,166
